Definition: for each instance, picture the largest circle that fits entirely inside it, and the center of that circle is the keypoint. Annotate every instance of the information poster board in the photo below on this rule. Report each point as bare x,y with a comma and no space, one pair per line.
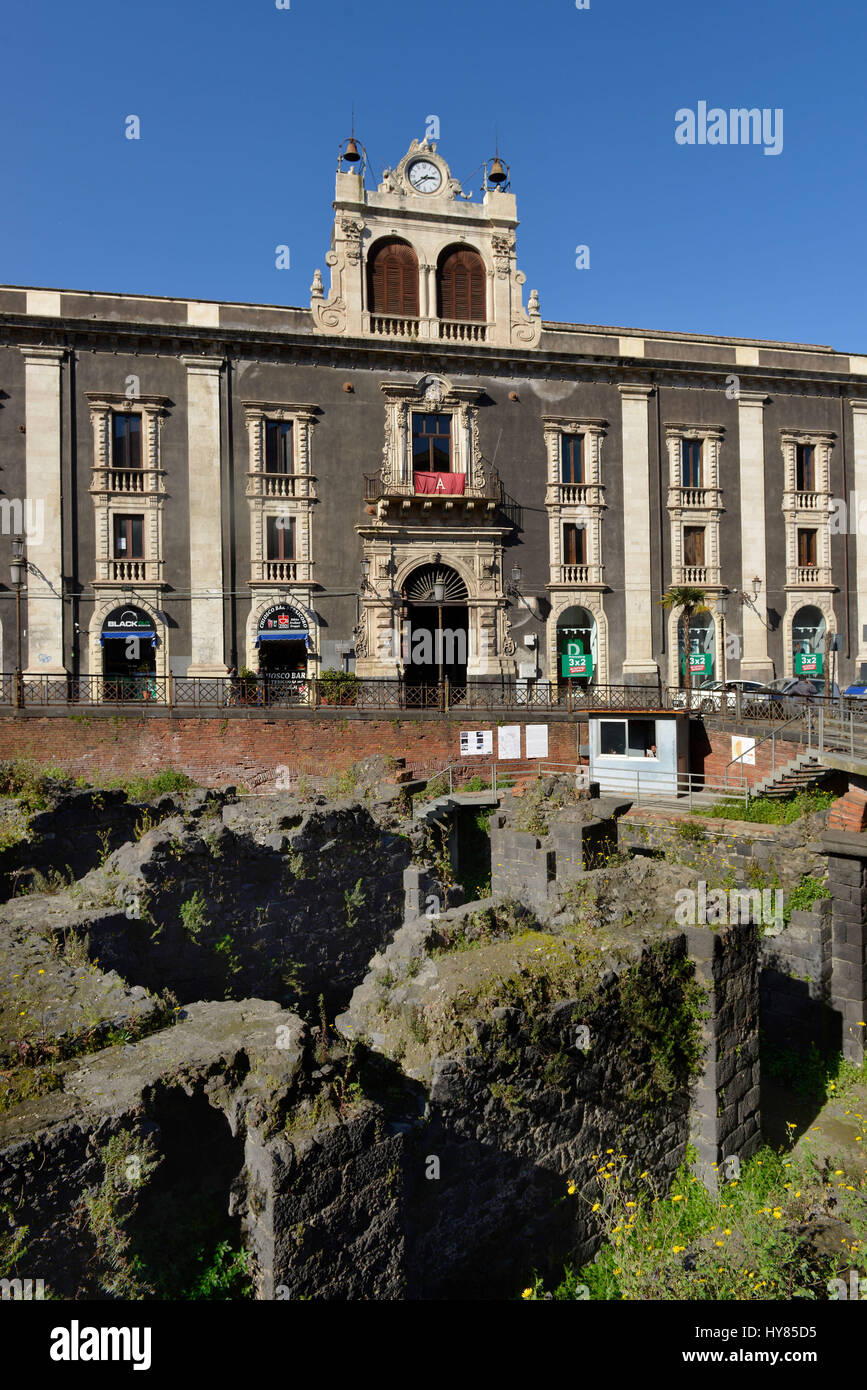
536,736
744,748
509,741
476,741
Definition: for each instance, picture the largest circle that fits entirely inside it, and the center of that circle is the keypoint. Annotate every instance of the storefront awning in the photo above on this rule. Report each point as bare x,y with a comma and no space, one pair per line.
149,635
282,637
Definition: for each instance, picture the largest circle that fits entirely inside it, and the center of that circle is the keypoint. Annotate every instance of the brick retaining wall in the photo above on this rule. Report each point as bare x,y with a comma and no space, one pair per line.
215,750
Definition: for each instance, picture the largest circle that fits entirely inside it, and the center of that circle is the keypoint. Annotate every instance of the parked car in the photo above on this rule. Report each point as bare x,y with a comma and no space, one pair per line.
855,692
712,696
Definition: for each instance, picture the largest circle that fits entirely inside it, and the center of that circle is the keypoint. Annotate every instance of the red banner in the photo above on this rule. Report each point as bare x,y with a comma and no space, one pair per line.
440,482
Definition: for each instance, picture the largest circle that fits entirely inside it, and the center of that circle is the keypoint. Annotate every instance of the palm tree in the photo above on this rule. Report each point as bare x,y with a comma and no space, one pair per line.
690,601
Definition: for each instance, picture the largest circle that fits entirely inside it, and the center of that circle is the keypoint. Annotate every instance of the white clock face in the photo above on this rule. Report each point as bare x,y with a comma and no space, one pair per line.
424,176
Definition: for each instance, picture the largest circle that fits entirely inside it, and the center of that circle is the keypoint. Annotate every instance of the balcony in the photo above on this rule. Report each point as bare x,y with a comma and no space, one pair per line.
389,327
574,495
810,577
282,572
280,485
486,490
577,576
113,571
456,331
695,498
695,575
127,481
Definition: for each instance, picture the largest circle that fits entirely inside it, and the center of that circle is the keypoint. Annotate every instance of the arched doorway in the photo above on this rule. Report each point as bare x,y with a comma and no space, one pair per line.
435,626
129,660
808,637
702,646
576,629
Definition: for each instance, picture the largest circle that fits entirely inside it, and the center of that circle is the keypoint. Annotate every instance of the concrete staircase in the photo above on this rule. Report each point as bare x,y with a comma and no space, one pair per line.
801,772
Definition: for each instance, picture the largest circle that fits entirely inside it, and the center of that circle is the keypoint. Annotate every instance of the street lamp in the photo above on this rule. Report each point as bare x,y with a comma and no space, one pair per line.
757,584
439,593
17,571
722,604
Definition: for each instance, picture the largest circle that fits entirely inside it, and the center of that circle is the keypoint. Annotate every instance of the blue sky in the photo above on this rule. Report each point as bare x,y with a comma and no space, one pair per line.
242,107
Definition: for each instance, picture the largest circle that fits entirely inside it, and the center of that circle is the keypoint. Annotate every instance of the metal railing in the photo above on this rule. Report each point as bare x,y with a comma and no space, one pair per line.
225,692
845,734
682,788
776,736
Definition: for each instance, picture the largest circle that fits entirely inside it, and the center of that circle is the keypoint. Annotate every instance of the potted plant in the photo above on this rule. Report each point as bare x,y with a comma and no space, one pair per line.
338,687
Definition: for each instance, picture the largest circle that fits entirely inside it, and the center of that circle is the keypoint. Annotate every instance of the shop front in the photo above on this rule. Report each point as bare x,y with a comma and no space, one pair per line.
129,664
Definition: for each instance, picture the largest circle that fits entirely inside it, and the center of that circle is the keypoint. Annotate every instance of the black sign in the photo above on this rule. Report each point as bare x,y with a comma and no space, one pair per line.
282,618
130,620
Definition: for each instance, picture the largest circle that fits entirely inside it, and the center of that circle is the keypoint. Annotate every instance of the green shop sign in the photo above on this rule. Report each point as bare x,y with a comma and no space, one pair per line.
700,664
573,661
809,664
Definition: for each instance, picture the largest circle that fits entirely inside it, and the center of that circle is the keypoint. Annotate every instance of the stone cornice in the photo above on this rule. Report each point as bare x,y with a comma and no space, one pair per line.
43,354
752,398
634,390
117,400
680,431
565,422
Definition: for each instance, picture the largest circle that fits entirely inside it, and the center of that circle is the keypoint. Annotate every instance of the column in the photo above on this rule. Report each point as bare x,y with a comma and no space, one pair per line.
853,503
756,665
206,515
639,667
41,512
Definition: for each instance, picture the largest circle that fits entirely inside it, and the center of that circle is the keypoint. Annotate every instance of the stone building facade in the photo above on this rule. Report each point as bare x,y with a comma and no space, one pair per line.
217,485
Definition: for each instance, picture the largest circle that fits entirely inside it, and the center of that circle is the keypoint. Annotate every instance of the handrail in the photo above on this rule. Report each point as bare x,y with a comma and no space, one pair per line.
772,736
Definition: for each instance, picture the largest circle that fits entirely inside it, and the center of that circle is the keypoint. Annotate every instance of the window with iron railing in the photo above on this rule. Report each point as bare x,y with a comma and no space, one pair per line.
431,443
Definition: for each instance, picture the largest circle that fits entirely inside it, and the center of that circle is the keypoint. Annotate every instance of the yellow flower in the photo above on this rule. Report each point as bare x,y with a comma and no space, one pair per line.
719,1242
527,1293
677,1197
40,972
630,1204
678,1249
596,1206
571,1188
618,1270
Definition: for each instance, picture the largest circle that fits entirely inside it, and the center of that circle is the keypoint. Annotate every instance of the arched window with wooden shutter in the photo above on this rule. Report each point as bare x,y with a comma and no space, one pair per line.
392,280
461,282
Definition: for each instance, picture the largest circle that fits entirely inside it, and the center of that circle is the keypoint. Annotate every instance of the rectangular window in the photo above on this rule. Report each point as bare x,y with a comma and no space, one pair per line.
431,443
627,738
690,463
693,545
807,548
281,537
125,440
805,468
278,446
574,544
572,458
129,537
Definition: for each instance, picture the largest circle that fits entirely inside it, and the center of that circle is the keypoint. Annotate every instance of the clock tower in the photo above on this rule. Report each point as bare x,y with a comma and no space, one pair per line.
418,260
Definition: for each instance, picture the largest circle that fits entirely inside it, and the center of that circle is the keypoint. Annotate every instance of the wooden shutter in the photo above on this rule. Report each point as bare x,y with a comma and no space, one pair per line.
392,280
461,287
